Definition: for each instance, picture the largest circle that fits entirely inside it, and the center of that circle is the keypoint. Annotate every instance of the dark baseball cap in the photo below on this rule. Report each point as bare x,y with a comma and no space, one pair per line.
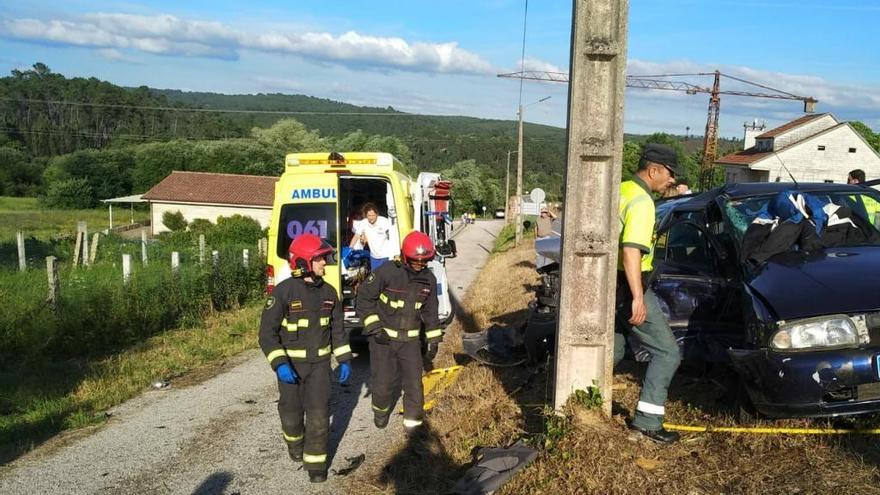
662,155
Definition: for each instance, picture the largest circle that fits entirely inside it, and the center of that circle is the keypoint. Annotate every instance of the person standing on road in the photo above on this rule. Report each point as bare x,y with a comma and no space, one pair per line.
301,325
396,304
378,234
637,309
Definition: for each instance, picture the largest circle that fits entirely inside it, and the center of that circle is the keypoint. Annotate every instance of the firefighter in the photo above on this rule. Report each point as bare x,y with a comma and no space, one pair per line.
301,326
397,303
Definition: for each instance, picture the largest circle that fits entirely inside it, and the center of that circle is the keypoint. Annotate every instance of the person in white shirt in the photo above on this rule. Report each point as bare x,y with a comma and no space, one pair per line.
378,235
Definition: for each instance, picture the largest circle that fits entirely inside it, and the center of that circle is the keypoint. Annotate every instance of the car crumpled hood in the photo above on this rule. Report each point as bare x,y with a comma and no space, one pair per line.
831,281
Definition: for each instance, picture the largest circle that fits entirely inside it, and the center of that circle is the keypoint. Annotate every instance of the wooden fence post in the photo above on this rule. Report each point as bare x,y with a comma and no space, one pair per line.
175,262
201,249
22,261
54,284
82,227
144,248
94,252
126,268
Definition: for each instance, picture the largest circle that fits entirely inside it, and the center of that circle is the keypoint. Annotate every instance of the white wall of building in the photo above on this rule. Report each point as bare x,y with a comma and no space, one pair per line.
808,163
208,212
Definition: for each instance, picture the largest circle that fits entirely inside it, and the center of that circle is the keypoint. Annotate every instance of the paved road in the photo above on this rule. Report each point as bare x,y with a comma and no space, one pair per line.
222,435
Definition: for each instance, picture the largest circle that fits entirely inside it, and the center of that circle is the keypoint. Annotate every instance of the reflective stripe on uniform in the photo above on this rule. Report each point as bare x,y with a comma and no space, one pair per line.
394,303
412,333
277,353
291,327
430,334
325,320
381,409
303,322
342,350
647,407
371,319
290,438
411,423
314,458
391,333
297,353
324,351
418,305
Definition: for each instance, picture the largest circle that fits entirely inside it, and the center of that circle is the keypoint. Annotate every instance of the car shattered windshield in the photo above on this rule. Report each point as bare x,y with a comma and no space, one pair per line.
841,218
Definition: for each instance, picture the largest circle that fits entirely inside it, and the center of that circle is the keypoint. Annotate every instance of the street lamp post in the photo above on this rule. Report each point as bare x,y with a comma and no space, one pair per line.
519,171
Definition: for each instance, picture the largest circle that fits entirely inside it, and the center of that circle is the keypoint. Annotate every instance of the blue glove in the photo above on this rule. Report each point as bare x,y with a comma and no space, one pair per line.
344,372
286,373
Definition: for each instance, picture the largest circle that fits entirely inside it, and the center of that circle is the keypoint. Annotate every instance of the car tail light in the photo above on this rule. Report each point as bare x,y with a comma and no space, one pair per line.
270,278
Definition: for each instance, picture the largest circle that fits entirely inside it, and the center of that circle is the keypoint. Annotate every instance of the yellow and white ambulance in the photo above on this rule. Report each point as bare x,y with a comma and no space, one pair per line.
322,193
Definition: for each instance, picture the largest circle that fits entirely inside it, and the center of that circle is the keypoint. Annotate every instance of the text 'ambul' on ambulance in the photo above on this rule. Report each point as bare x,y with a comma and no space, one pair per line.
324,194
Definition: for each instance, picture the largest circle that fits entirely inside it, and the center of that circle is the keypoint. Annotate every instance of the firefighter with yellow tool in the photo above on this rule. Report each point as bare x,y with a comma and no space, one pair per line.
397,303
300,328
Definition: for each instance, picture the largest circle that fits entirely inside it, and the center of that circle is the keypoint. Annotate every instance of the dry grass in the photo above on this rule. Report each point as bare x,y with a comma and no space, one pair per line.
496,406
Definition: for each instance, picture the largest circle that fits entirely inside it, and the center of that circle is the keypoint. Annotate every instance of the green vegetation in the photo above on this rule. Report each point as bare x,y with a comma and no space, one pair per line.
39,222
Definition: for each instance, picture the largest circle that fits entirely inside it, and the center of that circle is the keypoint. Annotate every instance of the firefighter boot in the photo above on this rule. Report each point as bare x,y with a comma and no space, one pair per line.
295,451
317,476
380,419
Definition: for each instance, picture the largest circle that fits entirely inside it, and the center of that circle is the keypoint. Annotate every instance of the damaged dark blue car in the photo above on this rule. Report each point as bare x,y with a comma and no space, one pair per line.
778,282
781,282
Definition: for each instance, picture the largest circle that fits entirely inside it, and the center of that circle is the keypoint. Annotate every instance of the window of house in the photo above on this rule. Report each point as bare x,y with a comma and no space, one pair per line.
828,181
821,147
852,150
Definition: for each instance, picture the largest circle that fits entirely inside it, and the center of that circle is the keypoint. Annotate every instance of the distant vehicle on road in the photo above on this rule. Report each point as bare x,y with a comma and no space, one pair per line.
795,313
499,213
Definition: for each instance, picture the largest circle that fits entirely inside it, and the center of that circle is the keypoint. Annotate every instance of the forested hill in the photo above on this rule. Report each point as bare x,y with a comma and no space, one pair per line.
434,140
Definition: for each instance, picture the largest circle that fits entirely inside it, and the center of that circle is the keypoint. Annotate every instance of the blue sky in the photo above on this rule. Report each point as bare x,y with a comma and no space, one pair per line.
441,57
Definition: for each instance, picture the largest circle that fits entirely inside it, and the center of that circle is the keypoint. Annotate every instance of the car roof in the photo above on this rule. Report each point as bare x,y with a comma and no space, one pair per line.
751,189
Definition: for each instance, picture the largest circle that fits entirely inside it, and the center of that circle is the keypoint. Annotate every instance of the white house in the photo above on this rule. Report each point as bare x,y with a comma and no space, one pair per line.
209,195
813,148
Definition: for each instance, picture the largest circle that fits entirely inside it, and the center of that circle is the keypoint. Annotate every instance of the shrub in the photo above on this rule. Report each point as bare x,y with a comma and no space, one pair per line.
235,230
70,194
174,221
201,226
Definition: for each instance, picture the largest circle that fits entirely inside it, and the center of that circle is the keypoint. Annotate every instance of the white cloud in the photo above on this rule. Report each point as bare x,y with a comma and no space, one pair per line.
170,35
531,63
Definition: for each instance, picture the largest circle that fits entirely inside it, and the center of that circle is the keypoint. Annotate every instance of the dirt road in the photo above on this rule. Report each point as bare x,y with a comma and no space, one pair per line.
222,435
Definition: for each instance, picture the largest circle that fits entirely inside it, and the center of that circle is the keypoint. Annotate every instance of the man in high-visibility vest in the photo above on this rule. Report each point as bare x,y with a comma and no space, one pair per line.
638,311
300,328
872,207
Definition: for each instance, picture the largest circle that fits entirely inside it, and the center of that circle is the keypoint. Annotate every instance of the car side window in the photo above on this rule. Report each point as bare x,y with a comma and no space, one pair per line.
687,245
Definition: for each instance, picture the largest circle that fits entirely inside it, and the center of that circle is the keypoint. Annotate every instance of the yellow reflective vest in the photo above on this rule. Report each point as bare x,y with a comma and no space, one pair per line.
636,213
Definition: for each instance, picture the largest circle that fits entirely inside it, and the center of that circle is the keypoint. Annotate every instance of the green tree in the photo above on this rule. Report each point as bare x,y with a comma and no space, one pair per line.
70,194
870,136
236,229
154,161
174,221
288,136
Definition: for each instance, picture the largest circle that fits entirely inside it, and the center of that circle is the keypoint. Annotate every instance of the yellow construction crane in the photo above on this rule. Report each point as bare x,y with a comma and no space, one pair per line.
710,138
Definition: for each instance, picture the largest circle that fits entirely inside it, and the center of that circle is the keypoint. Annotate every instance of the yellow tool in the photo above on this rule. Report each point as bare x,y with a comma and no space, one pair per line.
436,381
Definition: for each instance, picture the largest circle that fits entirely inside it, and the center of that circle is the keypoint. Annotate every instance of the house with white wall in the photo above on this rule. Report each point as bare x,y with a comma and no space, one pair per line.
813,148
209,196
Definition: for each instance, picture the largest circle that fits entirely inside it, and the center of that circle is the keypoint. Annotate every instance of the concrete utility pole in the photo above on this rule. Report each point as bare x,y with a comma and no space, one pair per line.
519,165
507,190
585,342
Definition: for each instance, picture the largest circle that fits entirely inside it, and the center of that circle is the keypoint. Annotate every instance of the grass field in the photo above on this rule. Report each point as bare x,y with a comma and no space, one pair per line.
28,216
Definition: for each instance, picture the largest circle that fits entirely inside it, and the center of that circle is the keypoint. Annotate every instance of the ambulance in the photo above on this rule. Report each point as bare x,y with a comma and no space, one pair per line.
323,193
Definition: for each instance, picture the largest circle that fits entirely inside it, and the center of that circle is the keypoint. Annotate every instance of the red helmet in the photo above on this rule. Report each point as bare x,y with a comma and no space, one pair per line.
417,246
303,250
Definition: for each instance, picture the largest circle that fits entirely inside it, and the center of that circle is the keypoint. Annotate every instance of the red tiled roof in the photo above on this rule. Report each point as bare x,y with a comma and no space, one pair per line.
790,125
202,187
745,157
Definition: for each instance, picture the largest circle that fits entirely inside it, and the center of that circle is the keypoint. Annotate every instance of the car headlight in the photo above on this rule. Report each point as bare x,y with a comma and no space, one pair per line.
825,331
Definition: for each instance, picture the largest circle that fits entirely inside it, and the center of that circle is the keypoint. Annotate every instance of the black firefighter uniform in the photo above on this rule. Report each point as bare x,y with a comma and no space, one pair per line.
302,324
401,303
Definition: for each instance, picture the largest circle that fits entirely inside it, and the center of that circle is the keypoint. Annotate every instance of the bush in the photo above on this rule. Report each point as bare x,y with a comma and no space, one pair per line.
201,226
235,230
174,221
70,194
